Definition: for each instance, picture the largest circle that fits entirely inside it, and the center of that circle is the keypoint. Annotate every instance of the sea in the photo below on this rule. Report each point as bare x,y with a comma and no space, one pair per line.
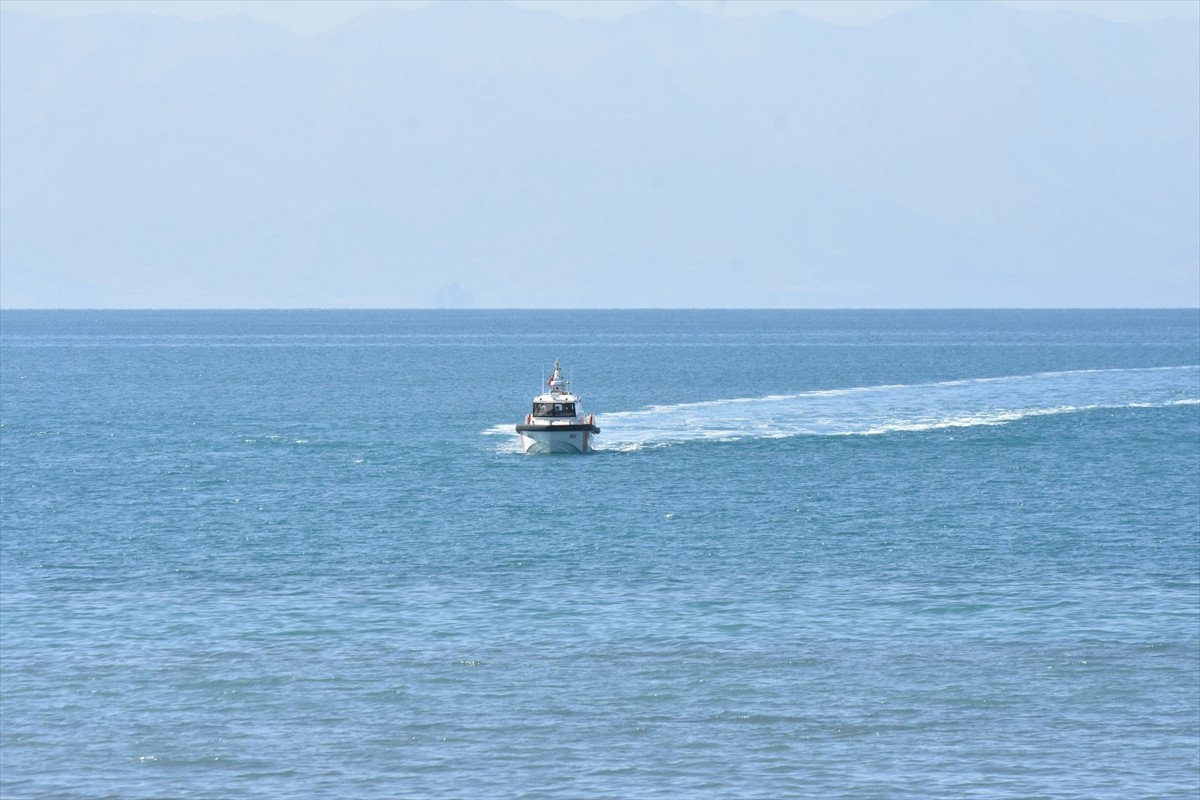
816,554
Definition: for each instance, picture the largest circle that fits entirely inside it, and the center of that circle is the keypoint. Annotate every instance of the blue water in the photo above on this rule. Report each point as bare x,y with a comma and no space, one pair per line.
818,554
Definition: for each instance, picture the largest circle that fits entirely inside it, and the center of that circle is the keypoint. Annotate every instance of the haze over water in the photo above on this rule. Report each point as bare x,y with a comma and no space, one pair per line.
457,154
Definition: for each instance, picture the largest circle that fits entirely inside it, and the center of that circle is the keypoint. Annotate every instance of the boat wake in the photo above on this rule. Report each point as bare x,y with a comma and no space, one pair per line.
873,410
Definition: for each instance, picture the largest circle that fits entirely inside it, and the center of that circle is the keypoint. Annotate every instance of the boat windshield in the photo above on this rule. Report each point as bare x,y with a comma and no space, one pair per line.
554,409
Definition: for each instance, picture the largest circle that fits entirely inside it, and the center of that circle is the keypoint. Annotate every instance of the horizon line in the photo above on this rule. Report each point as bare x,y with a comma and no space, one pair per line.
598,308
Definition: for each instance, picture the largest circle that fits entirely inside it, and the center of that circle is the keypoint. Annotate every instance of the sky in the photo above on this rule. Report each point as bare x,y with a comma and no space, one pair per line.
308,17
705,153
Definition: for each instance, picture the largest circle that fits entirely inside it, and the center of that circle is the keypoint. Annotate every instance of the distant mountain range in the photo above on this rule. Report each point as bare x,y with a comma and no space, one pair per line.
959,154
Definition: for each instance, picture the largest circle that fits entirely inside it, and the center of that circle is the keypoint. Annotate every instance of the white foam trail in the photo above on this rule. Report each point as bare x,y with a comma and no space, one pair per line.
874,410
511,443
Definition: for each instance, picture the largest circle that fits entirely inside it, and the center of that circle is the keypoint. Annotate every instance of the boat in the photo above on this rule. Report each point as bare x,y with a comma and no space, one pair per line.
557,423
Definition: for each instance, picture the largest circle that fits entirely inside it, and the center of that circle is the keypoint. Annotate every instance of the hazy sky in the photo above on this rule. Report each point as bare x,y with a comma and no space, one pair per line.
604,154
318,16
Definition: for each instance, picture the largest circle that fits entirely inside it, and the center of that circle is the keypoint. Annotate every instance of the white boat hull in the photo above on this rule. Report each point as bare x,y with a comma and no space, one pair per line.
535,442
